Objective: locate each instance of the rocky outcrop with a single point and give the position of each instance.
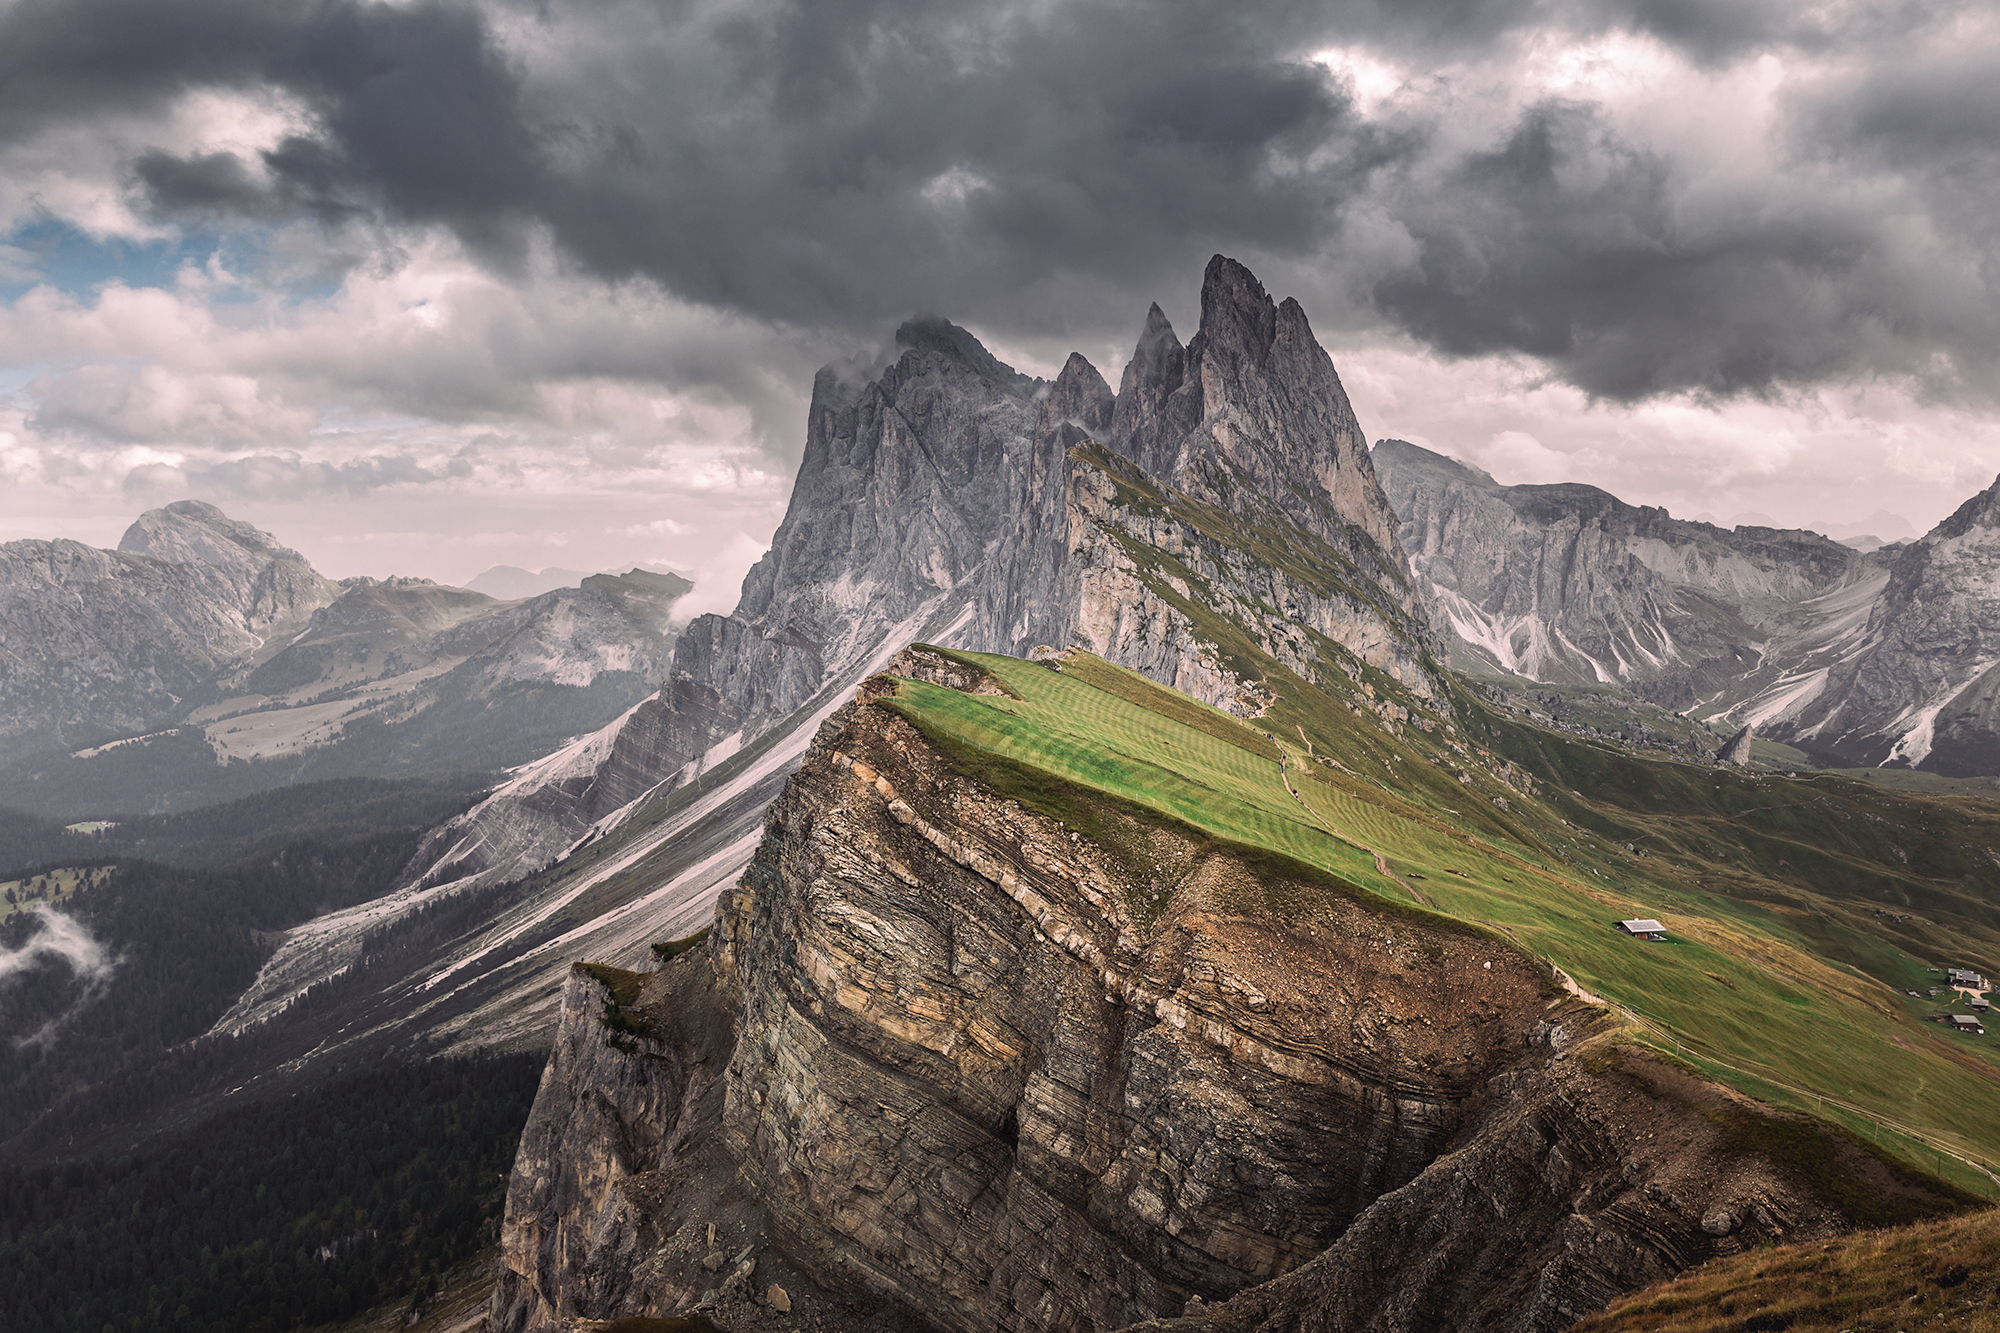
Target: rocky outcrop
(606, 1113)
(1001, 1076)
(1260, 398)
(1736, 750)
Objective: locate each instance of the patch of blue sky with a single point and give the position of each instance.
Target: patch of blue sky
(77, 263)
(15, 378)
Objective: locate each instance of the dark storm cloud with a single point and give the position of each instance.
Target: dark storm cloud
(1577, 248)
(211, 183)
(834, 165)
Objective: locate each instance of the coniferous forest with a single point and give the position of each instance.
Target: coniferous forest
(278, 1215)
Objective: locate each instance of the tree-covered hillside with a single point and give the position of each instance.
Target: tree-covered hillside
(283, 1213)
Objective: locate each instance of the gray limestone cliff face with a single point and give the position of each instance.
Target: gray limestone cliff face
(964, 1075)
(1922, 691)
(1567, 583)
(101, 643)
(1880, 657)
(908, 485)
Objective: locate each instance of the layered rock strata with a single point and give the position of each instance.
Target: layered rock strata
(987, 1072)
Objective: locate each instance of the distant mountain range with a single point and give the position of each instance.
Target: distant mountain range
(1854, 652)
(510, 583)
(203, 660)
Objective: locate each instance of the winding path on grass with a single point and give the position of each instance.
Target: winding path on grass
(1381, 862)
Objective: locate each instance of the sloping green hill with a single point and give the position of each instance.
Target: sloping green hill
(1797, 911)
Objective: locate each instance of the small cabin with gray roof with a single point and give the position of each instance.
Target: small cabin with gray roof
(1966, 1023)
(1643, 927)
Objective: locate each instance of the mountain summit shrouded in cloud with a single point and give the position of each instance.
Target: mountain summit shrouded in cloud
(476, 272)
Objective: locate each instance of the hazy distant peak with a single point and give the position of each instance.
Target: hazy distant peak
(1881, 524)
(190, 532)
(510, 583)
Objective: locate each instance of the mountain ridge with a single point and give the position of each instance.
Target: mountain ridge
(205, 637)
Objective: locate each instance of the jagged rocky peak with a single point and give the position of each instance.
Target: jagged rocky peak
(1151, 417)
(1257, 392)
(928, 335)
(942, 497)
(1079, 397)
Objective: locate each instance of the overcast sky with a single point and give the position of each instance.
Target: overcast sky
(426, 287)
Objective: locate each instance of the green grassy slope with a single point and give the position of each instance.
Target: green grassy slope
(1799, 910)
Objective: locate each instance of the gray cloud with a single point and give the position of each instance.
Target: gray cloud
(279, 476)
(832, 166)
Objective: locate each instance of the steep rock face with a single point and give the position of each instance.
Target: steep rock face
(99, 643)
(1568, 583)
(1162, 583)
(1921, 692)
(975, 1079)
(971, 1078)
(608, 1106)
